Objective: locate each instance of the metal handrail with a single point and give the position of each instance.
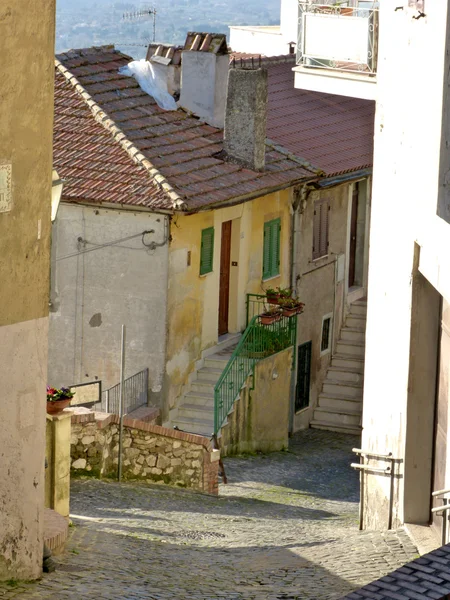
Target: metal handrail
(374, 454)
(440, 492)
(257, 342)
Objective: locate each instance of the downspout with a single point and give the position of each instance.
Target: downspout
(300, 195)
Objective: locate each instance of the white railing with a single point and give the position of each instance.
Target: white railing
(343, 38)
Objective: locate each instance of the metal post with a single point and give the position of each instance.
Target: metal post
(122, 365)
(107, 401)
(444, 522)
(362, 460)
(391, 492)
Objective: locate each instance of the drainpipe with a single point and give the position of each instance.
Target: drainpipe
(299, 198)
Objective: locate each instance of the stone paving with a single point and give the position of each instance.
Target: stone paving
(285, 527)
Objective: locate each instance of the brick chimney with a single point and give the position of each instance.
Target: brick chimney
(204, 76)
(246, 117)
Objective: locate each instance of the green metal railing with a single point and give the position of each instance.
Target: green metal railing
(257, 342)
(256, 304)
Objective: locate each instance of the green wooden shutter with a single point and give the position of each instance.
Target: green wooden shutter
(271, 249)
(266, 251)
(207, 251)
(275, 243)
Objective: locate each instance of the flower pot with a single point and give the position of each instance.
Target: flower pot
(57, 406)
(291, 312)
(269, 319)
(273, 299)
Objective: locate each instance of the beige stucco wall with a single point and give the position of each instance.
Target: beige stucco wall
(259, 421)
(193, 299)
(321, 283)
(26, 111)
(57, 474)
(94, 293)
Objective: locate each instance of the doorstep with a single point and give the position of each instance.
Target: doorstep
(56, 531)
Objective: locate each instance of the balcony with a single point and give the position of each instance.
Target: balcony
(337, 49)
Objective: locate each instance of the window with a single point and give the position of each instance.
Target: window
(303, 376)
(271, 251)
(325, 342)
(207, 251)
(320, 228)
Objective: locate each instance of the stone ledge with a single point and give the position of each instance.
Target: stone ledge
(56, 531)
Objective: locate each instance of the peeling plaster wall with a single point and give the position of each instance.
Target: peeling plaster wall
(27, 29)
(94, 293)
(193, 299)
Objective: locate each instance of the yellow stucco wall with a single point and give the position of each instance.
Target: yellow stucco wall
(193, 299)
(259, 421)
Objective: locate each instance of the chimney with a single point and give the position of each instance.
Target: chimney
(166, 60)
(204, 75)
(246, 117)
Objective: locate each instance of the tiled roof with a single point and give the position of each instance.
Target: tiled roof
(94, 165)
(334, 133)
(179, 153)
(424, 578)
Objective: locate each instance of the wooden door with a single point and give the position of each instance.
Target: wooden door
(303, 376)
(224, 285)
(353, 230)
(440, 478)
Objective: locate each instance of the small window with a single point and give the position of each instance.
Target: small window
(325, 342)
(320, 228)
(207, 251)
(271, 250)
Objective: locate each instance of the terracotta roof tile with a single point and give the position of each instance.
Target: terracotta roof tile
(185, 153)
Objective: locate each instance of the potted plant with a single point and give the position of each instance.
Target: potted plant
(284, 293)
(270, 316)
(58, 399)
(291, 307)
(272, 296)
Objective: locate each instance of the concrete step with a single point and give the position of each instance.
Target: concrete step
(200, 427)
(344, 361)
(216, 361)
(351, 334)
(196, 412)
(351, 374)
(342, 388)
(204, 386)
(356, 322)
(353, 349)
(210, 374)
(358, 309)
(199, 398)
(350, 429)
(346, 418)
(338, 402)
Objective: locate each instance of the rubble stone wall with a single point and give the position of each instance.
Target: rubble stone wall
(151, 453)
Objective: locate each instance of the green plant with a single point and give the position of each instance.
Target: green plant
(284, 293)
(291, 303)
(271, 292)
(55, 394)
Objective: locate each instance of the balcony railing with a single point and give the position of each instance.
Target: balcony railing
(337, 37)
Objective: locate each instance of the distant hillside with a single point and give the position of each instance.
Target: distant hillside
(83, 23)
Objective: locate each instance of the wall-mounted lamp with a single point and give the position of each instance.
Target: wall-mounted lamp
(57, 190)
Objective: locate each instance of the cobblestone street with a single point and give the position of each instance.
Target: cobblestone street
(285, 527)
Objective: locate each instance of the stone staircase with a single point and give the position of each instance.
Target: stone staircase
(196, 409)
(340, 401)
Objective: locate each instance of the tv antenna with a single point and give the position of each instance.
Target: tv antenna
(142, 13)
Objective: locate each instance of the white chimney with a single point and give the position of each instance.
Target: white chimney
(204, 76)
(166, 60)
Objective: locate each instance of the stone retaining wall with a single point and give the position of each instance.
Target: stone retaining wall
(151, 453)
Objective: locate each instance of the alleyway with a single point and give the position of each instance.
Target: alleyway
(285, 527)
